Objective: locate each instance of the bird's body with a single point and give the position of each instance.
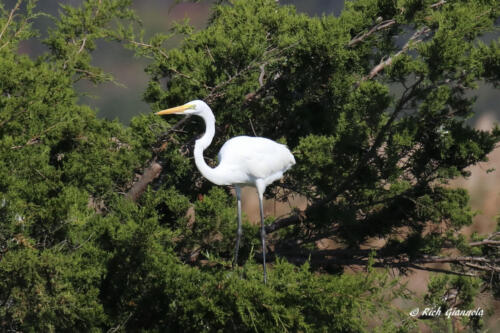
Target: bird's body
(243, 160)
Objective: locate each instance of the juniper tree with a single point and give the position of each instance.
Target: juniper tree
(375, 118)
(374, 103)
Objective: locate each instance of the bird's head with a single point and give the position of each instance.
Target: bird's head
(195, 107)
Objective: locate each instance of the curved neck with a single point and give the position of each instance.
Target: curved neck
(201, 144)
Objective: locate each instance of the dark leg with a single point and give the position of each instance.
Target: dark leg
(239, 231)
(260, 190)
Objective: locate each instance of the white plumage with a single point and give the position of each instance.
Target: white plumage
(243, 160)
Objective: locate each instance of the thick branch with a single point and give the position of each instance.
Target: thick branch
(438, 4)
(349, 257)
(488, 241)
(151, 173)
(153, 170)
(485, 242)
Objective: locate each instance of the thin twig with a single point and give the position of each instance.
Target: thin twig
(150, 46)
(9, 20)
(83, 45)
(251, 125)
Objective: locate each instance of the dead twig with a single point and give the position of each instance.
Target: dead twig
(438, 4)
(388, 61)
(9, 20)
(380, 26)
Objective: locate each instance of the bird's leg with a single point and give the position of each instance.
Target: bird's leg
(239, 231)
(260, 190)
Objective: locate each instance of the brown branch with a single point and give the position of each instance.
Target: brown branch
(387, 62)
(456, 260)
(440, 270)
(9, 20)
(485, 242)
(154, 169)
(36, 139)
(174, 128)
(302, 215)
(298, 260)
(488, 268)
(438, 4)
(89, 73)
(360, 257)
(251, 66)
(84, 40)
(150, 46)
(380, 26)
(150, 173)
(261, 75)
(488, 241)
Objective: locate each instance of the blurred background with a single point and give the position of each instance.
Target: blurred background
(123, 102)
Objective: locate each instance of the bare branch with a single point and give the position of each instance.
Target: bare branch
(261, 76)
(9, 20)
(440, 270)
(154, 169)
(485, 242)
(269, 56)
(358, 257)
(387, 62)
(462, 259)
(145, 45)
(380, 26)
(301, 216)
(150, 173)
(36, 139)
(438, 4)
(488, 240)
(84, 40)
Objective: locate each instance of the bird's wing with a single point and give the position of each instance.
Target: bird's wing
(258, 158)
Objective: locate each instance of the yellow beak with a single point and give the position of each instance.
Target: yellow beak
(178, 109)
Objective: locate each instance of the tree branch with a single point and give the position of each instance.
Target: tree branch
(380, 26)
(438, 4)
(360, 257)
(302, 215)
(387, 62)
(150, 173)
(488, 240)
(9, 20)
(485, 242)
(154, 169)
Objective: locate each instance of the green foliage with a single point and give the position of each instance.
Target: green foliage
(450, 293)
(373, 153)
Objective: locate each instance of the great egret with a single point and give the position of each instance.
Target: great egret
(243, 160)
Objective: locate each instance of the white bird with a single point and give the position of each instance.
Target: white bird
(243, 160)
